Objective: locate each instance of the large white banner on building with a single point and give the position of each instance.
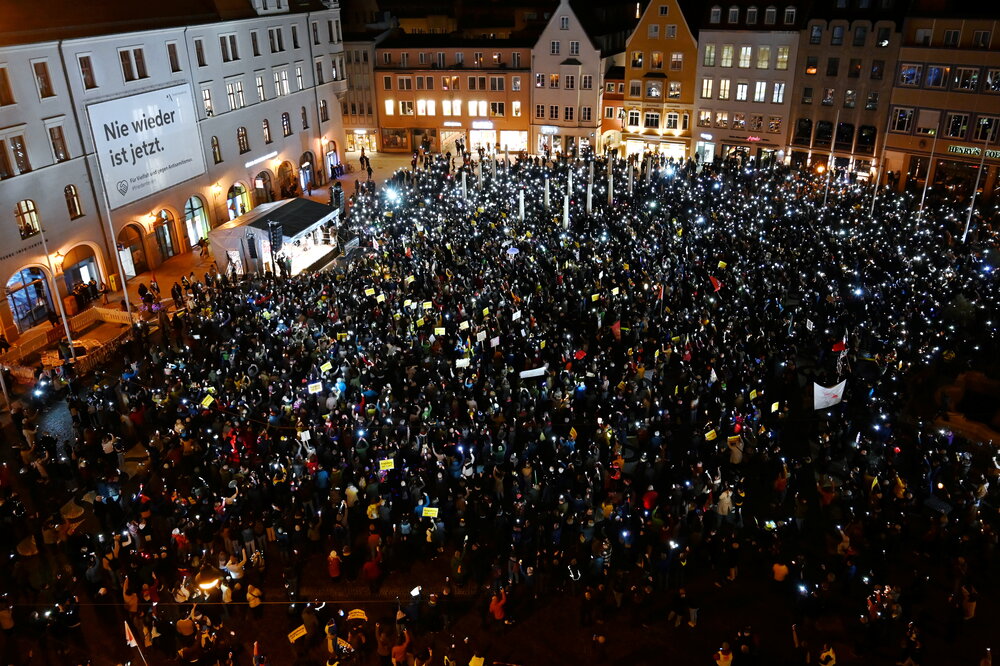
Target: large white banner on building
(146, 143)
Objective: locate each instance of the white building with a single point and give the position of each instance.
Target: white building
(257, 112)
(746, 67)
(579, 43)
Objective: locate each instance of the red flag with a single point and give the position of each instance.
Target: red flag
(129, 637)
(616, 328)
(716, 283)
(580, 355)
(660, 295)
(840, 346)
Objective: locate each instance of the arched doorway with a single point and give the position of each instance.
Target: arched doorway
(332, 159)
(263, 192)
(132, 251)
(238, 200)
(307, 166)
(29, 297)
(195, 220)
(286, 179)
(166, 234)
(80, 267)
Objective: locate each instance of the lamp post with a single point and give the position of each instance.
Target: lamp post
(55, 292)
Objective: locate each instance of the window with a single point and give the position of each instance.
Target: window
(637, 59)
(227, 44)
(459, 58)
(653, 31)
(266, 129)
(739, 121)
(609, 112)
(966, 78)
(741, 91)
(651, 120)
(299, 82)
(553, 112)
(789, 15)
(671, 32)
(73, 202)
(206, 101)
(957, 125)
(716, 15)
(173, 59)
(981, 39)
(850, 98)
(199, 52)
(255, 43)
(498, 110)
(992, 81)
(807, 95)
(878, 68)
(986, 128)
(515, 109)
(654, 89)
(866, 139)
(276, 40)
(837, 35)
(672, 120)
(585, 114)
(824, 133)
(58, 141)
(722, 119)
(854, 68)
(928, 122)
(330, 34)
(709, 58)
(286, 124)
(405, 108)
(133, 64)
(390, 107)
(539, 111)
(745, 52)
(901, 119)
(280, 83)
(663, 9)
(574, 48)
(774, 124)
(937, 76)
(42, 79)
(324, 111)
(909, 75)
(828, 95)
(539, 80)
(406, 83)
(832, 66)
(633, 117)
(674, 90)
(554, 48)
(568, 113)
(751, 15)
(860, 36)
(734, 14)
(724, 89)
(706, 88)
(27, 218)
(515, 59)
(951, 38)
(569, 82)
(704, 118)
(803, 131)
(305, 118)
(295, 36)
(770, 16)
(86, 73)
(564, 23)
(882, 38)
(234, 94)
(782, 59)
(676, 61)
(815, 35)
(760, 91)
(756, 122)
(553, 80)
(872, 102)
(387, 83)
(763, 57)
(243, 140)
(586, 82)
(778, 94)
(727, 56)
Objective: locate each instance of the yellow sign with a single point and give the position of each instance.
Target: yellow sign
(380, 298)
(594, 297)
(625, 266)
(464, 325)
(774, 407)
(430, 512)
(326, 367)
(410, 279)
(439, 331)
(357, 614)
(207, 401)
(486, 312)
(315, 387)
(711, 435)
(722, 264)
(420, 322)
(369, 292)
(614, 292)
(428, 305)
(753, 394)
(386, 465)
(296, 634)
(407, 303)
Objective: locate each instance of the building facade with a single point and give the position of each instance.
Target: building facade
(263, 89)
(945, 110)
(843, 81)
(360, 108)
(434, 93)
(613, 103)
(660, 74)
(746, 65)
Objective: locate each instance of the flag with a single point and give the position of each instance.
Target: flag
(616, 329)
(129, 637)
(840, 345)
(716, 283)
(824, 397)
(660, 295)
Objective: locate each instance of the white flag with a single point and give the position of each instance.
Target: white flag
(824, 397)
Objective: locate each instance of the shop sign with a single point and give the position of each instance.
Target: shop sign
(706, 137)
(973, 151)
(452, 123)
(753, 138)
(361, 131)
(549, 129)
(482, 124)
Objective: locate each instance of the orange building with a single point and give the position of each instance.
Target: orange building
(613, 109)
(660, 74)
(434, 92)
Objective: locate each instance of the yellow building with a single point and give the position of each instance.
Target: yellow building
(660, 73)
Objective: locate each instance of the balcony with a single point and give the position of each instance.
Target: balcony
(339, 87)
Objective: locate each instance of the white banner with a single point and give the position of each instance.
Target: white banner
(146, 143)
(824, 397)
(537, 372)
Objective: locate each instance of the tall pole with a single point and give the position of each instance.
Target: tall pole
(55, 292)
(927, 173)
(881, 163)
(829, 161)
(975, 188)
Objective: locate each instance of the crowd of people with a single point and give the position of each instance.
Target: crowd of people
(563, 394)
